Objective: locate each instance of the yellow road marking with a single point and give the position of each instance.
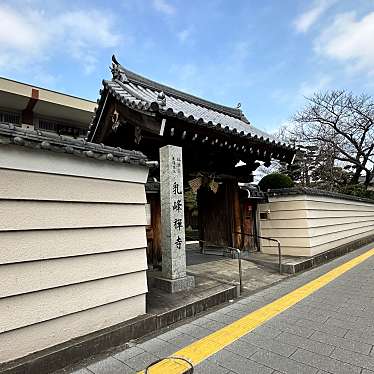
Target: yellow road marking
(211, 344)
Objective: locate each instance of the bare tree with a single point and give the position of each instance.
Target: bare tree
(342, 123)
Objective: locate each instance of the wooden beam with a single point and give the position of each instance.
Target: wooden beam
(145, 122)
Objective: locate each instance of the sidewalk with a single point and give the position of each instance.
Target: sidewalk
(332, 331)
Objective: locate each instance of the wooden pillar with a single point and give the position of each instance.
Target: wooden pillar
(234, 213)
(154, 230)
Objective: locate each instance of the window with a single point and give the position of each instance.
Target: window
(47, 125)
(10, 117)
(61, 128)
(264, 215)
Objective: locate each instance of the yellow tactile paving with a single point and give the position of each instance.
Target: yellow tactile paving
(211, 344)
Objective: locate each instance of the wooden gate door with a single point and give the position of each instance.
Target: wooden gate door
(249, 225)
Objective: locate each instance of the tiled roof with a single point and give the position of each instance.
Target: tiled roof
(11, 134)
(144, 94)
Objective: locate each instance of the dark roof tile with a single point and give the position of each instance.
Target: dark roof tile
(141, 93)
(11, 134)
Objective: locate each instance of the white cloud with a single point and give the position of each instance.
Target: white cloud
(350, 40)
(185, 35)
(82, 35)
(164, 6)
(319, 83)
(187, 78)
(19, 36)
(307, 19)
(29, 36)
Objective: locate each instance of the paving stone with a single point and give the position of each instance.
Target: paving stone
(81, 371)
(210, 367)
(281, 363)
(316, 317)
(247, 307)
(238, 364)
(269, 344)
(344, 343)
(353, 310)
(282, 318)
(360, 336)
(219, 312)
(367, 314)
(158, 347)
(267, 332)
(242, 348)
(322, 306)
(200, 321)
(195, 331)
(169, 334)
(324, 363)
(305, 343)
(365, 322)
(222, 318)
(291, 328)
(324, 327)
(252, 301)
(343, 316)
(128, 353)
(208, 324)
(237, 313)
(354, 358)
(110, 366)
(335, 322)
(214, 325)
(181, 341)
(141, 361)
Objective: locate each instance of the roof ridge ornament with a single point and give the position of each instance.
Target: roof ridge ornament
(118, 71)
(161, 98)
(241, 114)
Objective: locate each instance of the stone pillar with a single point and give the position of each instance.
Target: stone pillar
(173, 240)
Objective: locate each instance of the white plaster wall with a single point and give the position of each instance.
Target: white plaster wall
(307, 225)
(72, 247)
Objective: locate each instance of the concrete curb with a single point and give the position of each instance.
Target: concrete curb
(311, 262)
(76, 350)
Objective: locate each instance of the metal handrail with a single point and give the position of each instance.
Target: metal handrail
(270, 239)
(240, 266)
(231, 249)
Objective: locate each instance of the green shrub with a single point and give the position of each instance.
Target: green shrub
(358, 190)
(275, 180)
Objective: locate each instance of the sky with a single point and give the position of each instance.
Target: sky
(266, 54)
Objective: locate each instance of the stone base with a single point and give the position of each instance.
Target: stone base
(174, 285)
